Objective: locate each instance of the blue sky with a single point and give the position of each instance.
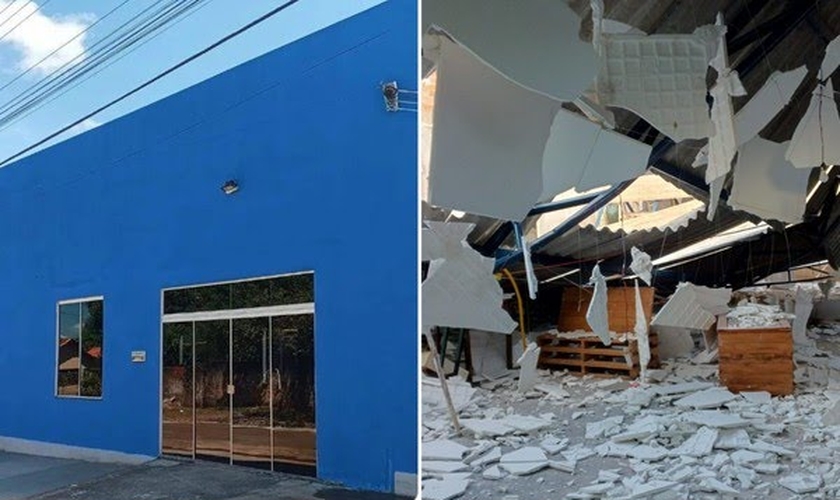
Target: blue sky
(57, 21)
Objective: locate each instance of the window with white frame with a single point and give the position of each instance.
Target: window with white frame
(80, 353)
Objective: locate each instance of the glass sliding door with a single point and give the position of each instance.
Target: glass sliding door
(238, 373)
(252, 394)
(293, 371)
(212, 390)
(178, 403)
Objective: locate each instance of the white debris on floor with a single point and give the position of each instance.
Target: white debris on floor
(683, 436)
(750, 315)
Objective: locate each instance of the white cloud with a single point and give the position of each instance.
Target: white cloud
(40, 35)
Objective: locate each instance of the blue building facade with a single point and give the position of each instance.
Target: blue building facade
(327, 184)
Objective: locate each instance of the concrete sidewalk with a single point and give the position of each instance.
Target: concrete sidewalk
(23, 476)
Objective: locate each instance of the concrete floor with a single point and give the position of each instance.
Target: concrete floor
(28, 477)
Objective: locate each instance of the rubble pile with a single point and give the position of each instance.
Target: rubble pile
(679, 436)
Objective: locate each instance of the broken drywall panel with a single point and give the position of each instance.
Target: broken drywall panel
(733, 439)
(765, 183)
(493, 473)
(662, 78)
(681, 388)
(528, 367)
(765, 104)
(712, 485)
(460, 290)
(597, 316)
(595, 112)
(674, 342)
(525, 423)
(553, 445)
(641, 265)
(506, 35)
(801, 483)
(444, 489)
(757, 397)
(831, 59)
(716, 419)
(523, 455)
(699, 445)
(604, 428)
(802, 310)
(642, 337)
(709, 398)
(581, 155)
(439, 240)
(460, 391)
(443, 449)
(443, 466)
(492, 456)
(487, 353)
(525, 248)
(722, 143)
(552, 390)
(762, 107)
(814, 141)
(486, 427)
(481, 151)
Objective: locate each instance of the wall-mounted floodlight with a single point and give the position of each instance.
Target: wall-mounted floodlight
(230, 187)
(391, 93)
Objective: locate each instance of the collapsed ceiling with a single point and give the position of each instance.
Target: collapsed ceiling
(568, 133)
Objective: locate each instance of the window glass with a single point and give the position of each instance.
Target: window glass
(282, 290)
(80, 348)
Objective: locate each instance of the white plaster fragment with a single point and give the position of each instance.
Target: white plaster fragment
(742, 457)
(831, 59)
(642, 337)
(460, 290)
(486, 427)
(625, 81)
(766, 184)
(801, 483)
(641, 265)
(525, 423)
(648, 453)
(814, 140)
(763, 446)
(490, 457)
(528, 367)
(757, 397)
(443, 449)
(526, 454)
(681, 388)
(563, 465)
(523, 468)
(493, 473)
(552, 390)
(713, 485)
(698, 445)
(444, 489)
(765, 104)
(733, 439)
(650, 488)
(506, 35)
(553, 445)
(709, 398)
(802, 310)
(717, 419)
(469, 166)
(597, 315)
(604, 428)
(443, 466)
(767, 468)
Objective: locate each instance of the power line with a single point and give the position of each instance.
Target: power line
(139, 31)
(35, 11)
(13, 14)
(69, 65)
(34, 108)
(54, 52)
(154, 79)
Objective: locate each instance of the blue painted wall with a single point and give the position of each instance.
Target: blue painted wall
(328, 183)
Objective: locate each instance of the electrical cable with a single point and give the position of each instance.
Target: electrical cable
(154, 79)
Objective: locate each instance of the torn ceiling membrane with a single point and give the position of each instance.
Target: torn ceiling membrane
(506, 35)
(460, 290)
(662, 78)
(500, 160)
(766, 184)
(762, 107)
(597, 315)
(815, 140)
(486, 160)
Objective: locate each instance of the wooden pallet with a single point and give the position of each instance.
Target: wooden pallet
(756, 359)
(587, 355)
